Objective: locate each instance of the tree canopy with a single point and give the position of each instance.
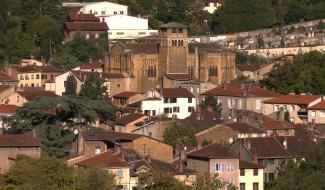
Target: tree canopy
(305, 75)
(94, 87)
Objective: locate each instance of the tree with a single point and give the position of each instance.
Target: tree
(55, 119)
(66, 59)
(94, 87)
(287, 117)
(71, 85)
(300, 174)
(94, 177)
(208, 182)
(210, 101)
(30, 174)
(296, 12)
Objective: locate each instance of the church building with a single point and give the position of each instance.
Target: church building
(170, 56)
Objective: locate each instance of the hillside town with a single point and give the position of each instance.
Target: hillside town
(106, 101)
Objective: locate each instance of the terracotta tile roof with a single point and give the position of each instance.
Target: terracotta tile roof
(237, 90)
(213, 151)
(104, 160)
(83, 17)
(249, 67)
(21, 140)
(33, 69)
(8, 109)
(297, 145)
(93, 65)
(204, 47)
(86, 26)
(178, 77)
(129, 118)
(244, 128)
(125, 94)
(4, 87)
(204, 115)
(268, 123)
(319, 106)
(173, 25)
(248, 165)
(293, 99)
(176, 93)
(109, 136)
(32, 95)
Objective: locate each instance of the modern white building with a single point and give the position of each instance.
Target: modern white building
(172, 103)
(99, 9)
(127, 27)
(212, 5)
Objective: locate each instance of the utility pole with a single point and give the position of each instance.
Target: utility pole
(50, 50)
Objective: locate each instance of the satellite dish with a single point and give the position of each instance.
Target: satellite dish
(76, 131)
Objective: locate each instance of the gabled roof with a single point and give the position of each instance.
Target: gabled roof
(32, 95)
(319, 106)
(141, 48)
(250, 67)
(175, 93)
(248, 165)
(109, 136)
(268, 123)
(5, 87)
(237, 90)
(93, 65)
(214, 151)
(8, 109)
(129, 118)
(173, 25)
(106, 160)
(82, 17)
(125, 94)
(204, 116)
(244, 127)
(21, 140)
(86, 26)
(297, 145)
(45, 69)
(293, 99)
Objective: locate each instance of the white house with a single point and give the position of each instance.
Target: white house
(212, 5)
(172, 102)
(57, 85)
(127, 27)
(103, 9)
(251, 176)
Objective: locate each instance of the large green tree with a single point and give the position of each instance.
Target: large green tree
(94, 87)
(55, 119)
(71, 85)
(306, 74)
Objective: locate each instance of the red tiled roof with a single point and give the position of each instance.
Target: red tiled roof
(237, 90)
(244, 128)
(268, 123)
(248, 165)
(106, 160)
(129, 118)
(93, 65)
(297, 145)
(4, 77)
(83, 17)
(293, 99)
(5, 109)
(214, 151)
(319, 106)
(86, 26)
(33, 68)
(176, 93)
(21, 140)
(4, 87)
(32, 95)
(125, 94)
(249, 67)
(109, 136)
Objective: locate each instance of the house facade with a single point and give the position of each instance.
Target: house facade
(316, 113)
(296, 105)
(58, 84)
(234, 97)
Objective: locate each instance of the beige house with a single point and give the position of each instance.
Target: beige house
(36, 76)
(316, 113)
(20, 97)
(58, 84)
(13, 145)
(5, 91)
(296, 105)
(251, 176)
(253, 72)
(234, 97)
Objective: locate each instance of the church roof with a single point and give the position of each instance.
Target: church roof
(173, 25)
(141, 48)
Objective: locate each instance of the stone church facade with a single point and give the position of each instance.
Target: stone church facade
(170, 54)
